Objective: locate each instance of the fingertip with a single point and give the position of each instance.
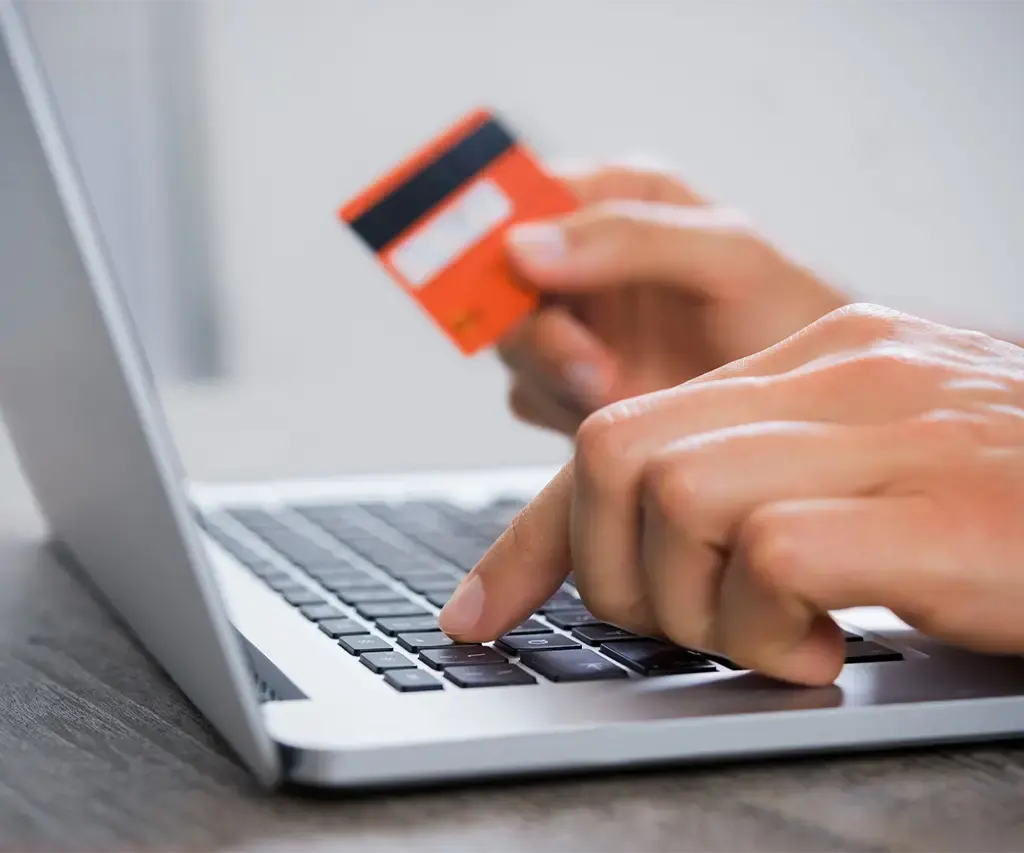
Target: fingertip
(814, 661)
(537, 244)
(461, 615)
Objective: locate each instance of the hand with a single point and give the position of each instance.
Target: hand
(646, 286)
(873, 459)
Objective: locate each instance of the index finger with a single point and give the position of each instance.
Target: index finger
(521, 571)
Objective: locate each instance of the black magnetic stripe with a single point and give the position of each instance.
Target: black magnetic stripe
(404, 206)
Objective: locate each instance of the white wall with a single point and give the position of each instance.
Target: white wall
(126, 80)
(883, 141)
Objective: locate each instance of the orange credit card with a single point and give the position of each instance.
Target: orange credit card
(436, 223)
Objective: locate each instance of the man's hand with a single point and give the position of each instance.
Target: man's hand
(872, 459)
(646, 286)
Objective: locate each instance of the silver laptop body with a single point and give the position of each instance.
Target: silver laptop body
(191, 579)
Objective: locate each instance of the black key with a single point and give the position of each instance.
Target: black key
(728, 664)
(432, 583)
(350, 584)
(412, 680)
(530, 626)
(381, 609)
(302, 596)
(407, 570)
(428, 640)
(572, 665)
(364, 643)
(602, 632)
(384, 661)
(506, 675)
(867, 652)
(461, 656)
(335, 628)
(438, 599)
(535, 643)
(571, 618)
(340, 574)
(408, 624)
(319, 612)
(283, 583)
(653, 657)
(368, 594)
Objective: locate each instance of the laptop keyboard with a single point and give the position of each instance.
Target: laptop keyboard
(374, 576)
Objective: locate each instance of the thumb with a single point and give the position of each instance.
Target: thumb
(616, 243)
(519, 573)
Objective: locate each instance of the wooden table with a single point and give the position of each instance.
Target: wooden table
(98, 751)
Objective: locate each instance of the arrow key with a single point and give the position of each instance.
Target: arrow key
(571, 665)
(461, 656)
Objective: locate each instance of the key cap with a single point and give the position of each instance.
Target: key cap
(412, 680)
(534, 643)
(432, 583)
(414, 568)
(653, 657)
(335, 628)
(438, 599)
(868, 652)
(319, 612)
(572, 665)
(344, 577)
(284, 583)
(266, 570)
(507, 675)
(380, 609)
(850, 637)
(384, 661)
(723, 661)
(340, 585)
(461, 655)
(365, 596)
(303, 596)
(417, 642)
(530, 626)
(602, 632)
(571, 618)
(408, 624)
(364, 643)
(274, 578)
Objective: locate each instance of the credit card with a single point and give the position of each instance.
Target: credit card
(436, 223)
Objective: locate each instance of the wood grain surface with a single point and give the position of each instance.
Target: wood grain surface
(98, 751)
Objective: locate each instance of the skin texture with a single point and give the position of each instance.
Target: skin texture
(647, 286)
(868, 459)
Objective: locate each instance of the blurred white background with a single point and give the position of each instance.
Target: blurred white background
(882, 142)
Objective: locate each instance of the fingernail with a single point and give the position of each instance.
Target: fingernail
(586, 380)
(464, 608)
(538, 243)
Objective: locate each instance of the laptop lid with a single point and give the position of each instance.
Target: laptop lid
(82, 414)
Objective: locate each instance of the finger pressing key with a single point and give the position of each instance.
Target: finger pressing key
(521, 571)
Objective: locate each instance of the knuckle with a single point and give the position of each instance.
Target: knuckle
(670, 486)
(770, 546)
(612, 219)
(866, 320)
(601, 451)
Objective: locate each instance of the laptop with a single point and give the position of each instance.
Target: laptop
(301, 617)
